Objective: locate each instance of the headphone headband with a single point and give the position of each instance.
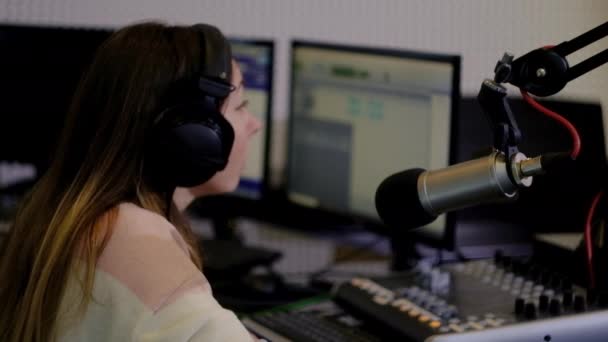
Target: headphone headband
(216, 54)
(214, 88)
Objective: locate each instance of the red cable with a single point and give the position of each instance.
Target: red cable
(588, 238)
(576, 139)
(576, 149)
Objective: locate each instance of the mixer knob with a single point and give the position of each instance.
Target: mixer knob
(567, 297)
(602, 299)
(498, 257)
(530, 310)
(534, 272)
(543, 303)
(556, 281)
(524, 268)
(555, 307)
(519, 306)
(545, 277)
(566, 284)
(449, 312)
(579, 303)
(516, 266)
(506, 263)
(591, 296)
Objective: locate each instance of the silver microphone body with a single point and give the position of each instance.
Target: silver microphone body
(469, 183)
(415, 197)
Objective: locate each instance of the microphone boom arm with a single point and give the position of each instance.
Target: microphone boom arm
(545, 71)
(541, 72)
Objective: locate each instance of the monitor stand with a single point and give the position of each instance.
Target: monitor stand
(226, 256)
(404, 254)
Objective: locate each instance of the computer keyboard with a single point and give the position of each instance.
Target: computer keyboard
(306, 326)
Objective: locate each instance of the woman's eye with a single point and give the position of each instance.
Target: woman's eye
(243, 105)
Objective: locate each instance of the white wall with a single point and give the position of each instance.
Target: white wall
(479, 30)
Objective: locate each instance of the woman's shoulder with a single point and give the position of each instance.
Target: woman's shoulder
(146, 253)
(134, 223)
(141, 221)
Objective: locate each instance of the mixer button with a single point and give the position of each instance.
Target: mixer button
(494, 322)
(458, 328)
(549, 292)
(435, 324)
(476, 325)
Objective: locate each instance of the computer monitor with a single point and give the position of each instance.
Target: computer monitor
(255, 58)
(556, 202)
(39, 71)
(359, 115)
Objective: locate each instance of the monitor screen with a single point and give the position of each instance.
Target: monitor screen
(359, 115)
(556, 202)
(255, 59)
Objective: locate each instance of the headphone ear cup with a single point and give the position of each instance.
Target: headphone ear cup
(192, 145)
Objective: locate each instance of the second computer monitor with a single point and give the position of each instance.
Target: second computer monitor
(359, 115)
(255, 59)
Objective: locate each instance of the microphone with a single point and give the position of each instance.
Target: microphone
(415, 197)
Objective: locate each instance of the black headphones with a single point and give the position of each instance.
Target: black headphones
(192, 140)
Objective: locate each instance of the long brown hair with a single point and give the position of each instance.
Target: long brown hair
(98, 164)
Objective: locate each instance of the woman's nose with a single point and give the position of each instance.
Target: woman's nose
(256, 123)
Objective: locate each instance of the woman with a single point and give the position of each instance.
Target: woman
(98, 250)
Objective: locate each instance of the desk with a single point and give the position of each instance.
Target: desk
(305, 252)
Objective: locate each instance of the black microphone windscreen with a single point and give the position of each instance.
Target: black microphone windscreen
(398, 203)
